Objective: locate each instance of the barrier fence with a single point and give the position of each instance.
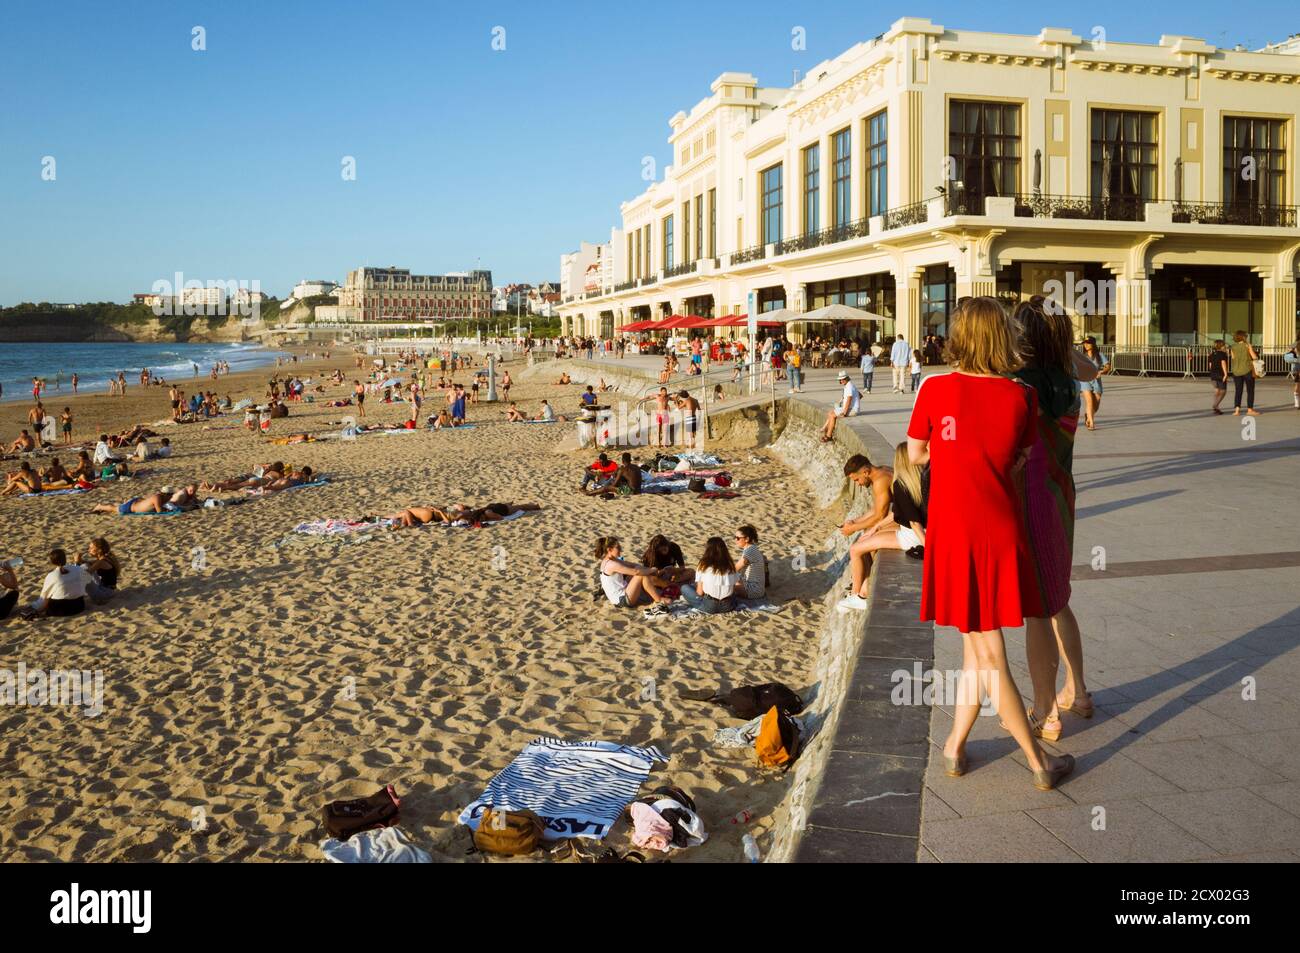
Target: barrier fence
(1185, 362)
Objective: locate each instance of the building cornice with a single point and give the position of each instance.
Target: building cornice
(855, 88)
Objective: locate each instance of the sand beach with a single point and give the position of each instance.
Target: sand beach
(290, 671)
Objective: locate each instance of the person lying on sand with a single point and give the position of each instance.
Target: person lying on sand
(269, 473)
(24, 480)
(185, 498)
(460, 513)
(289, 481)
(24, 444)
(293, 438)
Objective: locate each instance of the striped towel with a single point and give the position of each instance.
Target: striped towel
(579, 788)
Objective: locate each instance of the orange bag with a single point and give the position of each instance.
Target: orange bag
(777, 743)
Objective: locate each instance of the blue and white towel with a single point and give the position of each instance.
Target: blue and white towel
(579, 788)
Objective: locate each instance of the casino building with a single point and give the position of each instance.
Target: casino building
(1153, 188)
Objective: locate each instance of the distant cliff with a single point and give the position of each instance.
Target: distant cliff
(113, 322)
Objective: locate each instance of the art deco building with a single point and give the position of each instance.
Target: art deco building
(1152, 188)
(394, 295)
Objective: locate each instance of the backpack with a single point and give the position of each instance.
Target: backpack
(750, 701)
(508, 832)
(777, 743)
(345, 818)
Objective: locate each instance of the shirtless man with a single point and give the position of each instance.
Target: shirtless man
(628, 475)
(36, 415)
(175, 395)
(270, 473)
(662, 415)
(690, 408)
(183, 499)
(25, 443)
(862, 472)
(289, 481)
(84, 470)
(55, 477)
(25, 480)
(514, 414)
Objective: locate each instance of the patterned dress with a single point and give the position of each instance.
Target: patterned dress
(1049, 489)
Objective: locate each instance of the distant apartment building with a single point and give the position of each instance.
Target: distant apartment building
(589, 269)
(930, 164)
(396, 295)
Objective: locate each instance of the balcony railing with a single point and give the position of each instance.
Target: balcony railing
(752, 253)
(1116, 208)
(905, 215)
(625, 285)
(1225, 213)
(649, 280)
(825, 236)
(685, 268)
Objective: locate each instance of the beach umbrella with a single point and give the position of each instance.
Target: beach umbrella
(779, 316)
(840, 312)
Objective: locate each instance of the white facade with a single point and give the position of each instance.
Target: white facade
(930, 164)
(307, 289)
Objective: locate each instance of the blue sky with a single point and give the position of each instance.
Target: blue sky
(226, 163)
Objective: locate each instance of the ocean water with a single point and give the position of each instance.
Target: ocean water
(96, 363)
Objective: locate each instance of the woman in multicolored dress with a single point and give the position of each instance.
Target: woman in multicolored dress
(1051, 367)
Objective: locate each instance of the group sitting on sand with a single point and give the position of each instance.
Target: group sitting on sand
(606, 476)
(711, 587)
(27, 479)
(460, 514)
(66, 587)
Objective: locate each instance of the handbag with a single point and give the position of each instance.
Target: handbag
(1260, 370)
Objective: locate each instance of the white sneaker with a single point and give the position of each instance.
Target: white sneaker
(851, 604)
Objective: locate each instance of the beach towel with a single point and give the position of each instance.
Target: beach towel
(450, 427)
(338, 527)
(63, 492)
(385, 846)
(743, 736)
(679, 609)
(537, 421)
(578, 788)
(678, 483)
(465, 524)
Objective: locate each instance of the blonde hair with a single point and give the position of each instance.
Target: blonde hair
(907, 473)
(983, 339)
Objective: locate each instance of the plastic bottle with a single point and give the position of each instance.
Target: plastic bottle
(751, 849)
(14, 563)
(744, 816)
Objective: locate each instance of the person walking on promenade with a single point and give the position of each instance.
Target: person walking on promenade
(1219, 374)
(1292, 358)
(1091, 389)
(900, 357)
(1051, 366)
(976, 427)
(794, 360)
(1243, 374)
(868, 368)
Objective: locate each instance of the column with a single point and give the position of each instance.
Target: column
(907, 303)
(1279, 310)
(1132, 307)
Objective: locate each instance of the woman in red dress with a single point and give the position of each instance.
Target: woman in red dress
(975, 428)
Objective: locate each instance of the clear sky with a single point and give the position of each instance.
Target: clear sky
(227, 163)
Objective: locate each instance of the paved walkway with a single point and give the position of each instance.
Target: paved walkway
(1191, 635)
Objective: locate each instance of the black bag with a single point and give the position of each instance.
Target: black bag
(750, 701)
(696, 485)
(345, 818)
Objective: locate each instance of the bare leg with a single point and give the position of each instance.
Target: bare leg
(1075, 691)
(1044, 662)
(990, 652)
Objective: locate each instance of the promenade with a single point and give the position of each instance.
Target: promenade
(1191, 639)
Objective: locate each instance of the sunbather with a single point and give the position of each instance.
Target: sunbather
(24, 444)
(160, 502)
(24, 480)
(289, 481)
(269, 473)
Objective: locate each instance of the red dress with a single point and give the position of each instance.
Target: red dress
(978, 572)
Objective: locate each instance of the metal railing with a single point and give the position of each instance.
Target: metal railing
(905, 215)
(649, 280)
(1225, 213)
(1116, 208)
(625, 285)
(752, 253)
(1185, 362)
(825, 236)
(685, 268)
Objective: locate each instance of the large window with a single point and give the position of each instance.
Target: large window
(638, 252)
(1254, 161)
(771, 299)
(1195, 305)
(1125, 158)
(938, 298)
(877, 164)
(874, 293)
(842, 177)
(812, 174)
(713, 223)
(984, 142)
(770, 219)
(699, 225)
(668, 242)
(646, 246)
(686, 231)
